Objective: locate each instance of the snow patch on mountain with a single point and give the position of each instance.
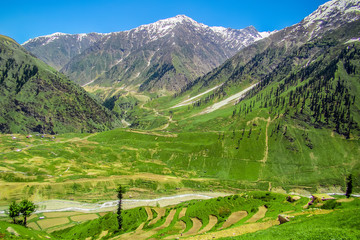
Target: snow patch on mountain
(46, 39)
(331, 9)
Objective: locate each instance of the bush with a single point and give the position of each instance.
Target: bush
(331, 204)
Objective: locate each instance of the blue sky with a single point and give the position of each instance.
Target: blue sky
(26, 19)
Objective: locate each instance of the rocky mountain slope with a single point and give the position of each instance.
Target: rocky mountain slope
(36, 98)
(57, 49)
(256, 61)
(166, 54)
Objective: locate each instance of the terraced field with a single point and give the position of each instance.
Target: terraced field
(205, 219)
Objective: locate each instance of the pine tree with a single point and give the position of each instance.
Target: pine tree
(120, 192)
(349, 186)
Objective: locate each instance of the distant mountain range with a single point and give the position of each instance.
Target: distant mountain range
(166, 54)
(176, 55)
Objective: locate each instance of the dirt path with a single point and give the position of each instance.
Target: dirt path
(259, 215)
(234, 218)
(266, 153)
(226, 101)
(236, 231)
(212, 222)
(160, 213)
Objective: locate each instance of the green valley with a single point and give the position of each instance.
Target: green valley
(239, 152)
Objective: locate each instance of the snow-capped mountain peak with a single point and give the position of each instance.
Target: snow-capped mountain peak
(162, 27)
(46, 38)
(331, 9)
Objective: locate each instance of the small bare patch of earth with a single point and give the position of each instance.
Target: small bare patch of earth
(259, 215)
(179, 227)
(182, 213)
(103, 234)
(160, 213)
(234, 218)
(345, 200)
(149, 213)
(236, 231)
(212, 222)
(48, 223)
(82, 218)
(197, 224)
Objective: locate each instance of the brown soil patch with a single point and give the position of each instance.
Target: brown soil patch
(60, 214)
(61, 228)
(259, 215)
(103, 213)
(33, 225)
(212, 222)
(345, 200)
(236, 231)
(182, 213)
(48, 223)
(160, 212)
(312, 212)
(139, 229)
(149, 213)
(82, 218)
(234, 218)
(103, 234)
(141, 234)
(168, 220)
(197, 224)
(178, 228)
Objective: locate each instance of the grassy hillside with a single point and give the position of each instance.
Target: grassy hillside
(251, 215)
(341, 224)
(12, 231)
(36, 98)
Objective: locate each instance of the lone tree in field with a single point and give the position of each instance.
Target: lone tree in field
(120, 191)
(14, 211)
(349, 186)
(26, 209)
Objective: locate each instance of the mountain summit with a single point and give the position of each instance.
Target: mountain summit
(168, 54)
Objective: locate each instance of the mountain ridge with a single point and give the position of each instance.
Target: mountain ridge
(37, 98)
(173, 35)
